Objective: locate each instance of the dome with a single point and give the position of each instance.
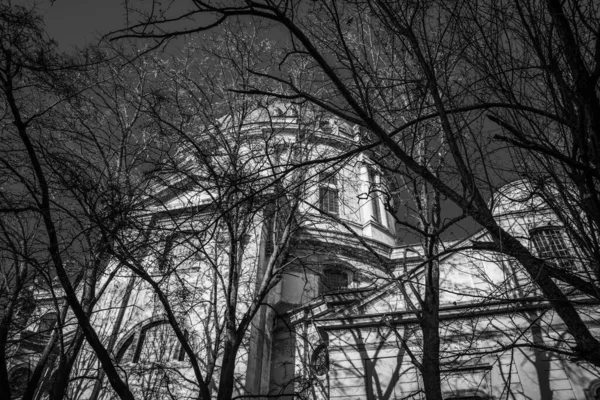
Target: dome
(516, 197)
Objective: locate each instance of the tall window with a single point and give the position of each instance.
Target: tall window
(374, 195)
(328, 193)
(269, 229)
(550, 245)
(375, 184)
(319, 361)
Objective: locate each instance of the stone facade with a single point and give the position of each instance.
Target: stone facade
(338, 324)
(497, 334)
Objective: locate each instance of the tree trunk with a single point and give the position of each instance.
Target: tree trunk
(91, 336)
(227, 378)
(4, 327)
(34, 381)
(430, 367)
(430, 326)
(65, 366)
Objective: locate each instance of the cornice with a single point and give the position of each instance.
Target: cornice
(447, 313)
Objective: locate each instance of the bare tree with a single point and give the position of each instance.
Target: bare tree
(66, 164)
(211, 239)
(367, 55)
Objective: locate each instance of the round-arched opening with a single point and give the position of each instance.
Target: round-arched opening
(154, 342)
(319, 361)
(593, 390)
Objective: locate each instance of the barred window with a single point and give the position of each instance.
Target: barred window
(550, 245)
(333, 280)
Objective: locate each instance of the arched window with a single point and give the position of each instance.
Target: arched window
(550, 245)
(156, 342)
(319, 361)
(593, 390)
(334, 279)
(329, 197)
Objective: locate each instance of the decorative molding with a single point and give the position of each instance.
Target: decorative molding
(592, 392)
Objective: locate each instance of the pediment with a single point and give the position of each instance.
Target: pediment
(386, 299)
(465, 276)
(178, 195)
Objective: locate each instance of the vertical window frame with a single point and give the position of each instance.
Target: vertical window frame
(378, 211)
(329, 196)
(550, 245)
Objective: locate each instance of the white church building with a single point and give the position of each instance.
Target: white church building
(339, 318)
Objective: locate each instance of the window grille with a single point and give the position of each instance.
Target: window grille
(550, 245)
(334, 279)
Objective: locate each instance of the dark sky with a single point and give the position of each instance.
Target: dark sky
(79, 22)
